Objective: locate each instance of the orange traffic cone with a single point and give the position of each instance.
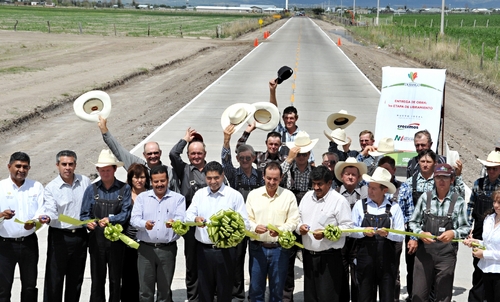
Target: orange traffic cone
(256, 42)
(339, 43)
(265, 35)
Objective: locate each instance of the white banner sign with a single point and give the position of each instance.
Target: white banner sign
(410, 101)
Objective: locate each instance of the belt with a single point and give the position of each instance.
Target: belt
(158, 244)
(69, 231)
(267, 245)
(19, 239)
(325, 252)
(208, 246)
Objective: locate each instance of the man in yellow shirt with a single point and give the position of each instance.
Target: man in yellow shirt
(274, 205)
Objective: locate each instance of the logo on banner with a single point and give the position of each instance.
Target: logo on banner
(413, 126)
(402, 138)
(412, 75)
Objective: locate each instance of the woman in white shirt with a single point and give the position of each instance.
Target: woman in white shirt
(489, 261)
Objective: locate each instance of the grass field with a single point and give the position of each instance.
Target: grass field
(126, 22)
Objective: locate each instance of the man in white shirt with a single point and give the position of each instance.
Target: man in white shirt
(321, 207)
(19, 197)
(67, 244)
(274, 205)
(216, 266)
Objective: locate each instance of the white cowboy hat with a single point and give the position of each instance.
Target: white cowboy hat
(383, 177)
(266, 116)
(236, 114)
(91, 104)
(107, 158)
(493, 159)
(385, 146)
(341, 119)
(349, 162)
(338, 136)
(303, 141)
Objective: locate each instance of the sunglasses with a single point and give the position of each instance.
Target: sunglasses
(244, 158)
(491, 168)
(303, 155)
(329, 162)
(153, 153)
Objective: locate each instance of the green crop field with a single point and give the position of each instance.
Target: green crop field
(473, 29)
(125, 22)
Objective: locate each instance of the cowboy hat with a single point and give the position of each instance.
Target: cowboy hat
(283, 74)
(349, 162)
(341, 119)
(303, 141)
(493, 159)
(385, 146)
(91, 104)
(383, 177)
(107, 158)
(266, 116)
(236, 114)
(338, 136)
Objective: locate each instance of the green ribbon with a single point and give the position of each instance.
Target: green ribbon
(38, 224)
(273, 228)
(70, 220)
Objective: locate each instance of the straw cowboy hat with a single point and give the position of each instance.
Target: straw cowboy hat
(303, 141)
(341, 119)
(106, 158)
(236, 114)
(349, 162)
(266, 116)
(385, 146)
(383, 177)
(493, 159)
(338, 136)
(91, 104)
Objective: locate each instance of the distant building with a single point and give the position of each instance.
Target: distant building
(240, 9)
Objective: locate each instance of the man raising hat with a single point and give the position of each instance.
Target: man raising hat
(108, 200)
(152, 154)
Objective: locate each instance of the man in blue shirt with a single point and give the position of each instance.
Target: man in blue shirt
(108, 201)
(153, 212)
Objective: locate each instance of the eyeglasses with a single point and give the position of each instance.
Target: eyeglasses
(244, 158)
(303, 155)
(491, 168)
(329, 162)
(153, 153)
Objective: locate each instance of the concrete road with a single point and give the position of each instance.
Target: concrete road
(325, 81)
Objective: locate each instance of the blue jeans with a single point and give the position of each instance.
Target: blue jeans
(270, 263)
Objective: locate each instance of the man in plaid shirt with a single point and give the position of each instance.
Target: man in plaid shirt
(443, 214)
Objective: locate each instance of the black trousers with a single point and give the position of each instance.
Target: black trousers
(348, 256)
(66, 257)
(476, 293)
(239, 271)
(290, 277)
(397, 286)
(105, 255)
(215, 273)
(322, 276)
(130, 276)
(492, 287)
(410, 263)
(376, 268)
(190, 244)
(24, 253)
(434, 270)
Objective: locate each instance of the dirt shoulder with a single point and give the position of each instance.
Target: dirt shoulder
(38, 114)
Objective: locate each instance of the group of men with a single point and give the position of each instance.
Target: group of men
(349, 190)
